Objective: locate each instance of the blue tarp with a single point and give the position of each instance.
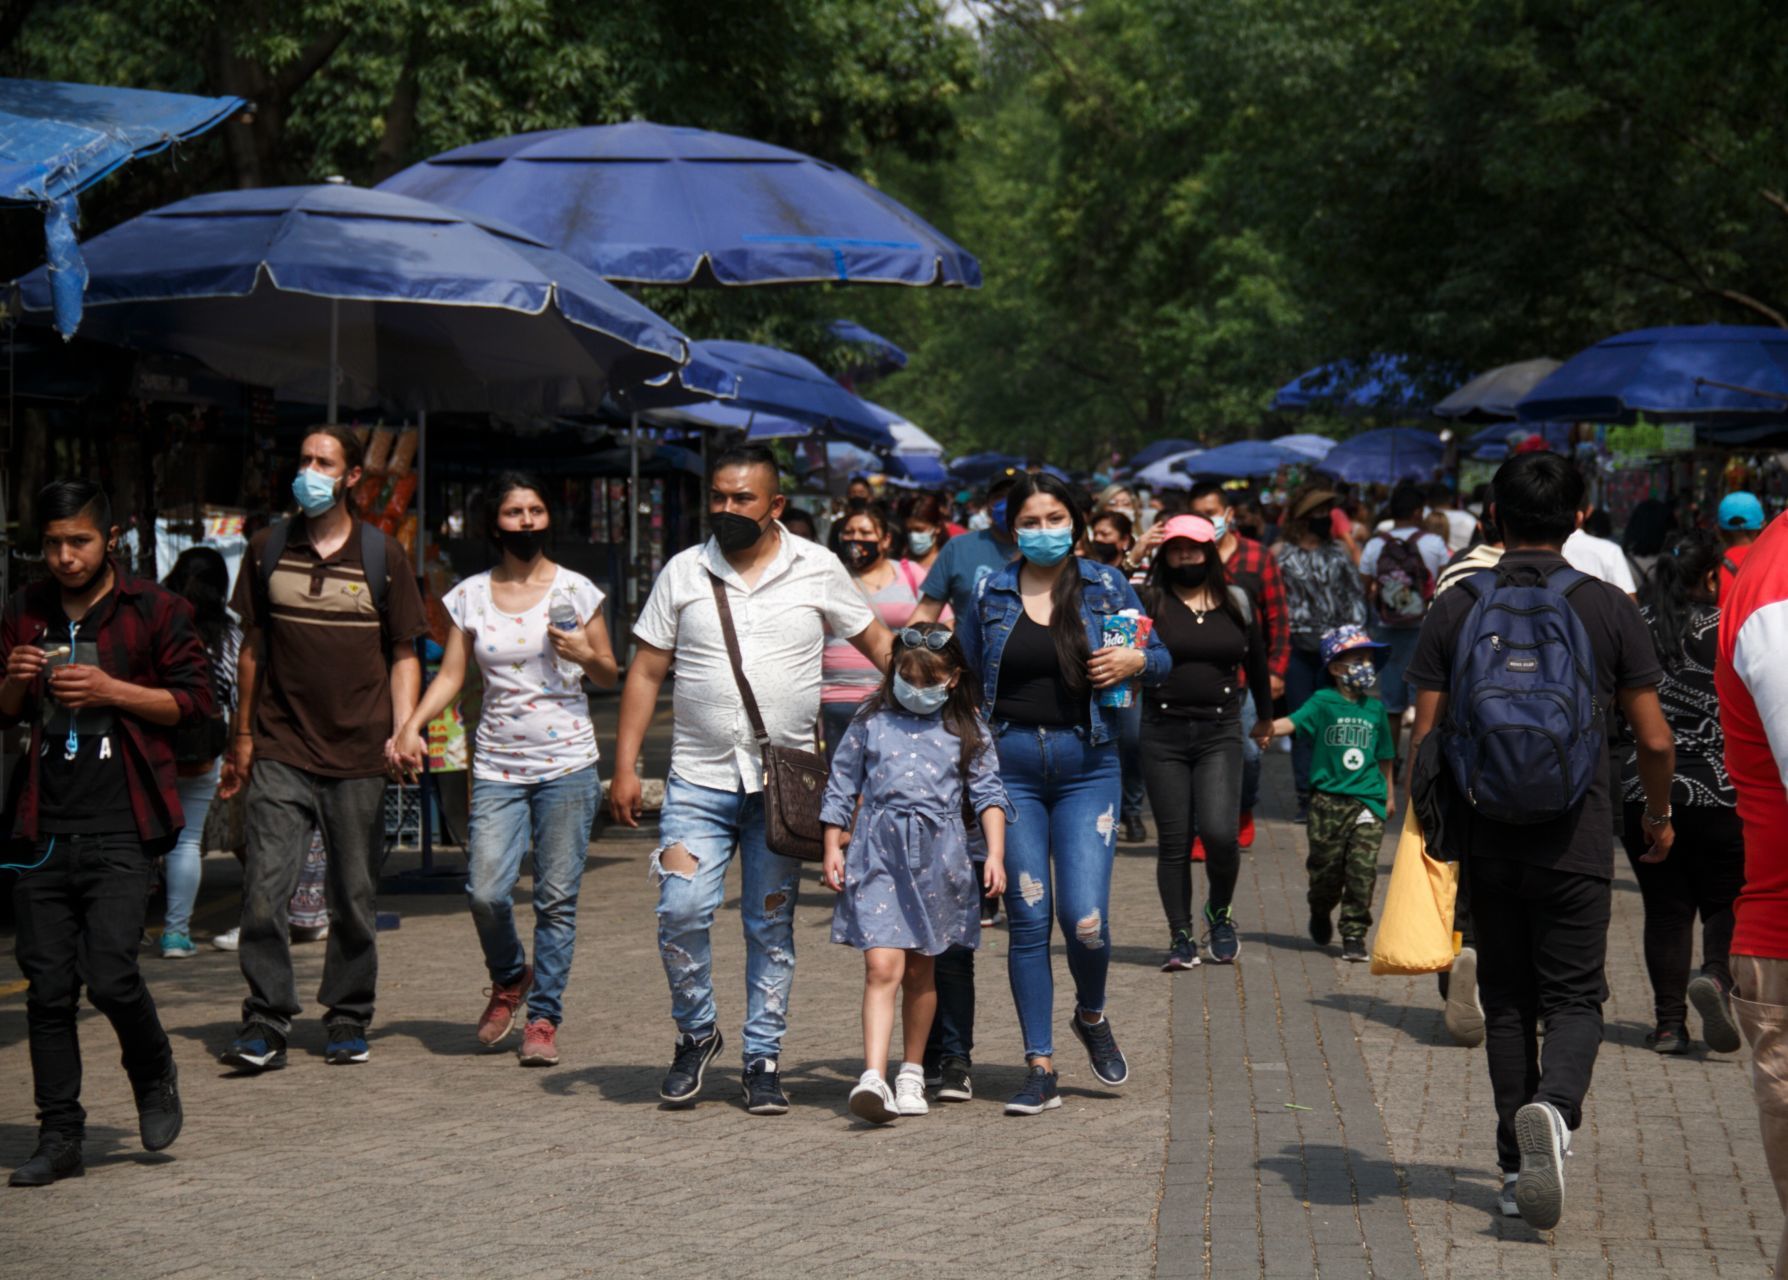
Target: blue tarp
(1386, 456)
(1654, 372)
(1378, 384)
(656, 204)
(56, 140)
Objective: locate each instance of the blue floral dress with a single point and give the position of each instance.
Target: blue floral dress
(908, 878)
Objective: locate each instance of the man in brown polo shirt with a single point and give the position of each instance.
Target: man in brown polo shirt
(327, 671)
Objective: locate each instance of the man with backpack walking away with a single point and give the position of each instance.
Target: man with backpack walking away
(1516, 668)
(326, 675)
(1400, 567)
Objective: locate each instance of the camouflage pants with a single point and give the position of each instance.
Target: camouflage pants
(1343, 861)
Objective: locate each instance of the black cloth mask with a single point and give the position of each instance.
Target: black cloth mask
(734, 532)
(523, 544)
(859, 555)
(1189, 575)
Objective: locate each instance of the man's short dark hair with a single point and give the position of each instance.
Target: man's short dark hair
(1002, 485)
(1406, 503)
(351, 449)
(1207, 489)
(1538, 496)
(72, 499)
(748, 455)
(1439, 496)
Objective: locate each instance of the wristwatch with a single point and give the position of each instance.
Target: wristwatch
(1658, 821)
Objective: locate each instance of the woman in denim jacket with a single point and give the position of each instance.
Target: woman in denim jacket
(1035, 635)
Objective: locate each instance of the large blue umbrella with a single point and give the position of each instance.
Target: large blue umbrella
(56, 140)
(1492, 395)
(1386, 457)
(1709, 371)
(1156, 450)
(1380, 383)
(918, 470)
(413, 306)
(1168, 472)
(657, 204)
(1308, 446)
(880, 357)
(1240, 460)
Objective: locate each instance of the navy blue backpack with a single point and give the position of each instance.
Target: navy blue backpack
(1524, 733)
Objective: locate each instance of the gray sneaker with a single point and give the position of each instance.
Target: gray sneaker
(1708, 995)
(1464, 1016)
(1543, 1137)
(1505, 1202)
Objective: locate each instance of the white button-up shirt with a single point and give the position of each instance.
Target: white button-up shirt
(781, 622)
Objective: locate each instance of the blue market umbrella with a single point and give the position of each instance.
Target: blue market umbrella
(1494, 443)
(982, 468)
(1492, 395)
(879, 357)
(1169, 472)
(657, 204)
(1712, 371)
(918, 470)
(57, 139)
(1240, 460)
(1309, 447)
(411, 305)
(1381, 383)
(1386, 456)
(1156, 450)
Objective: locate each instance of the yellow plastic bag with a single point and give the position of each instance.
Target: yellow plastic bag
(1415, 932)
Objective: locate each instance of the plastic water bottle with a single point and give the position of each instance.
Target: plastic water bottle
(561, 616)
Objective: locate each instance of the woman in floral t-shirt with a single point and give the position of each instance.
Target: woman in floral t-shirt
(536, 630)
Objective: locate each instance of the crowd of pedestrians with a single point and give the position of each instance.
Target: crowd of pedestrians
(948, 718)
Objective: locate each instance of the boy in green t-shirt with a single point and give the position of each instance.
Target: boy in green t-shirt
(1350, 787)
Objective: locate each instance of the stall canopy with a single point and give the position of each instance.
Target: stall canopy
(57, 139)
(1703, 372)
(658, 204)
(1386, 457)
(1492, 395)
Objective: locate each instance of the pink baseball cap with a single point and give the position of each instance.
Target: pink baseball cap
(1197, 528)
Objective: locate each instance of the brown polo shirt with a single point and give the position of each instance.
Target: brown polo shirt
(323, 695)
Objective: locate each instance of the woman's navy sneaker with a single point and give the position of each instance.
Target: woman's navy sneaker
(1183, 954)
(1101, 1047)
(1037, 1096)
(347, 1044)
(763, 1089)
(689, 1063)
(1221, 935)
(256, 1048)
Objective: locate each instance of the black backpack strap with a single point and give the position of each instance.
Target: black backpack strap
(271, 550)
(372, 561)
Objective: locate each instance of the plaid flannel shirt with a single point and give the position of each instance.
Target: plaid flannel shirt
(1254, 570)
(147, 637)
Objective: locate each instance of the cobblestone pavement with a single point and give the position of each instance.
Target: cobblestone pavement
(440, 1159)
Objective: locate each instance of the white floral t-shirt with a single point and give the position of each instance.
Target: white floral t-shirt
(536, 720)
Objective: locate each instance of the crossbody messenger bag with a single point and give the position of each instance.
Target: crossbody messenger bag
(794, 780)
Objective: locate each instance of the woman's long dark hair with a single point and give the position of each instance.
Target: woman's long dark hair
(961, 714)
(504, 485)
(1066, 625)
(1670, 589)
(1158, 586)
(202, 578)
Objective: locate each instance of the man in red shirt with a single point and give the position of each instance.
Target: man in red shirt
(1740, 520)
(1752, 681)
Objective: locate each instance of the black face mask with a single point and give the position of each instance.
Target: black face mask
(1320, 527)
(1189, 575)
(523, 544)
(1104, 552)
(734, 533)
(860, 555)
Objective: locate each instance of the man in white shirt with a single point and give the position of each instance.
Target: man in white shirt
(783, 593)
(1599, 557)
(1462, 526)
(1398, 594)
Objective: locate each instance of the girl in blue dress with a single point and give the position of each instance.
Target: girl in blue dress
(916, 765)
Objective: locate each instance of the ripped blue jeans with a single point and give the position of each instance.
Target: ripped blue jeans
(711, 825)
(1066, 791)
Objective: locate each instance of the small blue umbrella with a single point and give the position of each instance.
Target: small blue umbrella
(1380, 383)
(1493, 443)
(1711, 371)
(1386, 456)
(1240, 460)
(1168, 472)
(56, 140)
(1156, 450)
(657, 204)
(880, 356)
(1310, 447)
(918, 470)
(1493, 394)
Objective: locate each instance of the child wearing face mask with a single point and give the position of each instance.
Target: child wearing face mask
(915, 771)
(1350, 786)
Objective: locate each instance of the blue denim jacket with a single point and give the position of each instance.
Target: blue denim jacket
(1103, 591)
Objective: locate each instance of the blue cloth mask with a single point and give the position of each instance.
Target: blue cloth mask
(920, 699)
(997, 514)
(1358, 676)
(920, 543)
(1045, 546)
(315, 492)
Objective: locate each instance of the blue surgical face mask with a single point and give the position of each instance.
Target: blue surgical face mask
(920, 543)
(997, 514)
(920, 699)
(1045, 546)
(1221, 525)
(315, 492)
(1357, 676)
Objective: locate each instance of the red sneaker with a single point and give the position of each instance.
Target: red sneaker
(1197, 849)
(1244, 835)
(540, 1046)
(504, 1009)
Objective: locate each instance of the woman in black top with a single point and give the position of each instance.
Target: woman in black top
(1192, 730)
(1705, 871)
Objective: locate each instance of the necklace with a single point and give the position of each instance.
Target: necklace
(1197, 613)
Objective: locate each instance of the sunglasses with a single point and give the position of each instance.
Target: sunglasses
(913, 638)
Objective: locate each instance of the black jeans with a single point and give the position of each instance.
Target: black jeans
(1542, 938)
(284, 805)
(953, 1030)
(80, 918)
(1704, 872)
(1193, 769)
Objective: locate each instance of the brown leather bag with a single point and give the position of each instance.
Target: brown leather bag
(794, 780)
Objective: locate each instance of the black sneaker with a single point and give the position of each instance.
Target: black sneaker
(1135, 832)
(763, 1089)
(1037, 1096)
(1220, 934)
(1302, 816)
(689, 1064)
(57, 1156)
(346, 1044)
(256, 1048)
(1101, 1047)
(1183, 954)
(1322, 928)
(1353, 950)
(1708, 995)
(954, 1083)
(158, 1110)
(1670, 1040)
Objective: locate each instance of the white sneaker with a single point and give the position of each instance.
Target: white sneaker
(1464, 1016)
(1544, 1138)
(909, 1094)
(228, 940)
(1505, 1203)
(872, 1100)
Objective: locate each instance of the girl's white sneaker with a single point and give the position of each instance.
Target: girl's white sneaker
(872, 1100)
(909, 1094)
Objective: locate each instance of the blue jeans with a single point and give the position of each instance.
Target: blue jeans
(1393, 691)
(1130, 756)
(554, 818)
(711, 825)
(1066, 792)
(180, 868)
(1250, 756)
(1303, 677)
